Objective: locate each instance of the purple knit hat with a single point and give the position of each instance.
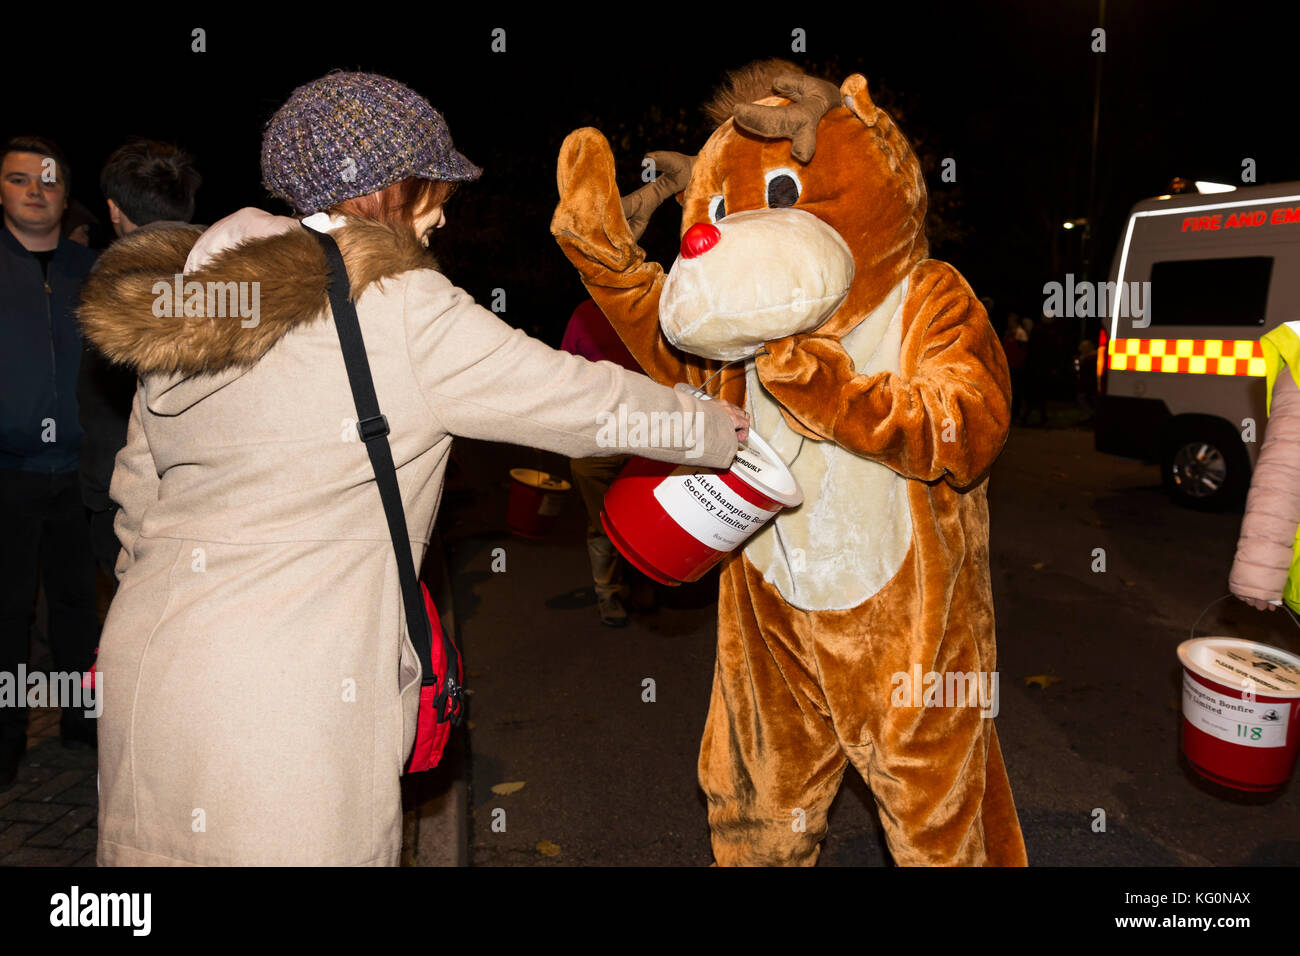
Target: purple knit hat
(353, 134)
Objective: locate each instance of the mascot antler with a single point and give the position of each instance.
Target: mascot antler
(812, 99)
(673, 175)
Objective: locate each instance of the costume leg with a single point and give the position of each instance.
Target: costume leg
(770, 764)
(935, 771)
(955, 811)
(1004, 843)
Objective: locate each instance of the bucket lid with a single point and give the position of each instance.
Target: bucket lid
(1232, 661)
(539, 479)
(760, 467)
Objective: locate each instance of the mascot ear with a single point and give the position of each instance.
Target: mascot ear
(858, 100)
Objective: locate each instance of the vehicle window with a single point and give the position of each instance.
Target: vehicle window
(1210, 291)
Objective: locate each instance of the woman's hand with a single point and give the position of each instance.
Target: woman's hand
(738, 418)
(1257, 603)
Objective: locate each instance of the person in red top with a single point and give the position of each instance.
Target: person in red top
(590, 335)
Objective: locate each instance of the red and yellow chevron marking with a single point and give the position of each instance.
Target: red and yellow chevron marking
(1193, 356)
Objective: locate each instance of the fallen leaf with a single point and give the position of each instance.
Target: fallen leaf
(1038, 565)
(505, 789)
(547, 848)
(1042, 680)
(1127, 583)
(469, 724)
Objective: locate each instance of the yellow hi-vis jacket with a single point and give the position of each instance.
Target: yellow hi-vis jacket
(1282, 347)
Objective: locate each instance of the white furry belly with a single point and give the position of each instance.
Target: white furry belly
(850, 536)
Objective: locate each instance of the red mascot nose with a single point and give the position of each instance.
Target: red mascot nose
(699, 239)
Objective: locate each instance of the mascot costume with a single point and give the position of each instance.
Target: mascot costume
(874, 372)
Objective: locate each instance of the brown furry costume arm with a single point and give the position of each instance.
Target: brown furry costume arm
(593, 232)
(949, 420)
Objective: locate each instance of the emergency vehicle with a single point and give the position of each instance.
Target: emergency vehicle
(1182, 383)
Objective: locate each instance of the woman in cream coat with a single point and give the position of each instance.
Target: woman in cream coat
(259, 687)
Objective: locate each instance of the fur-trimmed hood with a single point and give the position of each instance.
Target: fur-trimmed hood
(131, 312)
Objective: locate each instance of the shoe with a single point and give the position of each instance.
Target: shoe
(612, 612)
(11, 753)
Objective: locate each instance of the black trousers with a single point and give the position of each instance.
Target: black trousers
(45, 531)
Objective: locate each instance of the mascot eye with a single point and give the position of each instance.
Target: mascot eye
(717, 208)
(783, 188)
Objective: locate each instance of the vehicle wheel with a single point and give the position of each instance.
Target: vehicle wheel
(1205, 466)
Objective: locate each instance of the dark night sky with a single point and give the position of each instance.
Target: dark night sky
(1003, 88)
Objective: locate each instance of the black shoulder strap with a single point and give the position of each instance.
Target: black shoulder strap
(372, 426)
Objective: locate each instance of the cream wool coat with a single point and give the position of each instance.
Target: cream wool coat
(259, 688)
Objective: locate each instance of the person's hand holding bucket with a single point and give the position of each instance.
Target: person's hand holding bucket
(1259, 604)
(738, 418)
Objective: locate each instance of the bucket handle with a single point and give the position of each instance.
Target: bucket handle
(1192, 633)
(701, 390)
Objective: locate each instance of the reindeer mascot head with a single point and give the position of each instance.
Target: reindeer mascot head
(846, 626)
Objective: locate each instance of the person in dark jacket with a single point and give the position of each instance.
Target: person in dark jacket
(77, 223)
(45, 524)
(148, 185)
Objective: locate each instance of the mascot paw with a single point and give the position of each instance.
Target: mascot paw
(804, 361)
(805, 373)
(589, 220)
(673, 175)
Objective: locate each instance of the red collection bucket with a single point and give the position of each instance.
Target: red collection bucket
(1241, 711)
(535, 499)
(673, 523)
